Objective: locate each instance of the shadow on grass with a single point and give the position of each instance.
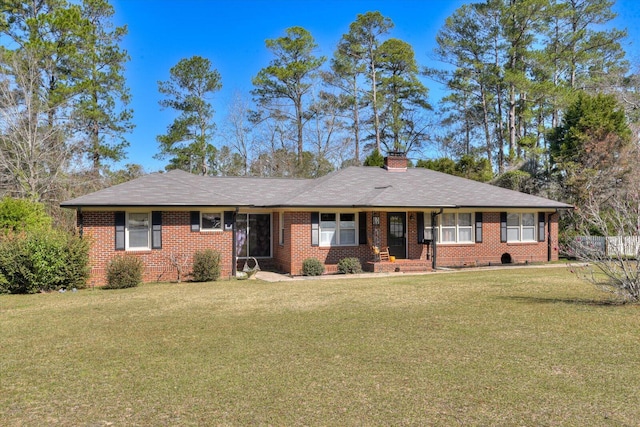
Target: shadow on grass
(570, 301)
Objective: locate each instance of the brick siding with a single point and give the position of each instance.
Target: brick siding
(178, 239)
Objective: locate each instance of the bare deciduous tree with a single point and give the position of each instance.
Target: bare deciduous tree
(238, 130)
(614, 264)
(33, 151)
(179, 261)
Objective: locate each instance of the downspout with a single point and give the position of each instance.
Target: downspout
(434, 237)
(234, 251)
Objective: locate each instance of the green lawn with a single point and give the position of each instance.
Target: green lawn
(517, 347)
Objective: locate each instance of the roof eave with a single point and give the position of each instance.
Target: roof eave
(152, 205)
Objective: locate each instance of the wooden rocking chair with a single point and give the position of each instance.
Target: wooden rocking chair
(380, 254)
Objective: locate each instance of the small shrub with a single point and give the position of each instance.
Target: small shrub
(349, 266)
(124, 272)
(206, 266)
(312, 267)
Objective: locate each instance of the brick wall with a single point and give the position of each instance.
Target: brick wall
(301, 249)
(177, 239)
(491, 250)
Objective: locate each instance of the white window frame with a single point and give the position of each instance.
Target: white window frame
(515, 224)
(337, 233)
(129, 227)
(211, 229)
(455, 228)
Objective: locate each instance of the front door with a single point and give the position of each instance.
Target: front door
(397, 234)
(253, 235)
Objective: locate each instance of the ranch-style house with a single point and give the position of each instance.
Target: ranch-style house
(420, 218)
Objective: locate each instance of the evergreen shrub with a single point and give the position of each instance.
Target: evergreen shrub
(124, 272)
(41, 261)
(206, 265)
(312, 267)
(349, 266)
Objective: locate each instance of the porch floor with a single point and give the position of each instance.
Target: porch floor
(399, 265)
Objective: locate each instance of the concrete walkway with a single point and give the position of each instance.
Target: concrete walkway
(269, 276)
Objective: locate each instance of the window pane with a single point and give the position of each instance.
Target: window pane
(448, 234)
(211, 221)
(464, 219)
(527, 219)
(138, 220)
(328, 229)
(347, 221)
(464, 234)
(513, 234)
(347, 229)
(328, 237)
(348, 237)
(513, 220)
(528, 233)
(138, 228)
(449, 220)
(427, 226)
(138, 238)
(327, 220)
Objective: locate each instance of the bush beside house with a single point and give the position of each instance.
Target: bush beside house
(35, 257)
(206, 265)
(124, 272)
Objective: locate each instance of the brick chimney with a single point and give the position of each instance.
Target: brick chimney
(396, 161)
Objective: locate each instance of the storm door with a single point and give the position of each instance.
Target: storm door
(253, 235)
(397, 234)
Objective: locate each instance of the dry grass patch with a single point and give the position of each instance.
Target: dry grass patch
(509, 347)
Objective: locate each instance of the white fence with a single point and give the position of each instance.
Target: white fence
(626, 246)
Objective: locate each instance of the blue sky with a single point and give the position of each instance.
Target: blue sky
(231, 34)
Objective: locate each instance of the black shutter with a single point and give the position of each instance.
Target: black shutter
(420, 228)
(541, 217)
(80, 222)
(156, 230)
(503, 227)
(119, 220)
(435, 231)
(228, 220)
(315, 228)
(362, 228)
(478, 227)
(195, 220)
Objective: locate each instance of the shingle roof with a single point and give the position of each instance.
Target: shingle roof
(350, 187)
